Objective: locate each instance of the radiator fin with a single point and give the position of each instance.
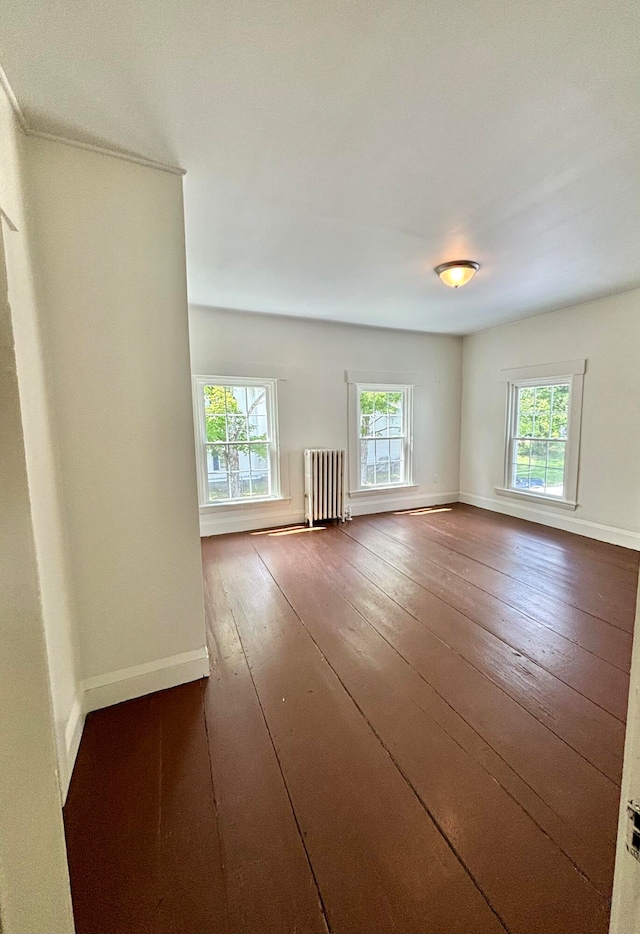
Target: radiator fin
(324, 484)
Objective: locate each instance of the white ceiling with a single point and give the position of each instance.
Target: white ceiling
(337, 150)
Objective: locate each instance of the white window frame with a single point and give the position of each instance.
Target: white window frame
(571, 372)
(271, 385)
(355, 472)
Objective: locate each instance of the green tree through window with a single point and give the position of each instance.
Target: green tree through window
(236, 426)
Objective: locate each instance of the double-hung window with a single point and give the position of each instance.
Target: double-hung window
(543, 432)
(383, 448)
(237, 439)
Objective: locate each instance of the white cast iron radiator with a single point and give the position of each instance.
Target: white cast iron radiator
(324, 484)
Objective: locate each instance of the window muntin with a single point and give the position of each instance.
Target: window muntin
(383, 436)
(238, 451)
(539, 438)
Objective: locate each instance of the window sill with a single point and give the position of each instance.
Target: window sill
(390, 488)
(537, 498)
(242, 503)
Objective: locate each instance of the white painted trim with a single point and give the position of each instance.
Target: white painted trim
(604, 533)
(13, 100)
(243, 504)
(107, 151)
(68, 141)
(544, 371)
(523, 496)
(242, 371)
(127, 683)
(408, 501)
(379, 490)
(72, 737)
(380, 377)
(217, 524)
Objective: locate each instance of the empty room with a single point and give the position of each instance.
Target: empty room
(319, 483)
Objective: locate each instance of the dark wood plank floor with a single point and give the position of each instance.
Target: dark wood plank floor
(414, 723)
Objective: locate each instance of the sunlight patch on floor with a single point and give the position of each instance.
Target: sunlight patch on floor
(422, 512)
(293, 530)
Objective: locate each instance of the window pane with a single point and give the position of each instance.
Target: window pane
(256, 400)
(521, 476)
(367, 463)
(367, 406)
(257, 427)
(521, 466)
(560, 415)
(236, 414)
(525, 412)
(523, 452)
(555, 471)
(539, 453)
(380, 414)
(381, 425)
(555, 482)
(382, 461)
(382, 419)
(542, 418)
(237, 473)
(239, 394)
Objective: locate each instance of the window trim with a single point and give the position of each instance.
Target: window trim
(550, 375)
(356, 488)
(199, 382)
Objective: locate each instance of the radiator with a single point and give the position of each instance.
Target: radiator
(324, 484)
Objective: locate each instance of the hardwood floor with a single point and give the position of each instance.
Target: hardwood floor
(414, 723)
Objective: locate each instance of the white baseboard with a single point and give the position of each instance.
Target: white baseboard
(375, 503)
(118, 686)
(222, 524)
(568, 523)
(68, 743)
(360, 506)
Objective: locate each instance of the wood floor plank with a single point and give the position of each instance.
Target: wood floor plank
(579, 565)
(593, 634)
(587, 728)
(360, 819)
(269, 882)
(607, 596)
(502, 753)
(573, 787)
(500, 526)
(531, 883)
(112, 821)
(191, 883)
(413, 724)
(594, 678)
(141, 836)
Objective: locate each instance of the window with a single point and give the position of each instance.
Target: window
(384, 436)
(543, 428)
(237, 444)
(539, 442)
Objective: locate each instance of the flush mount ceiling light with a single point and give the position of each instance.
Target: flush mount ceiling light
(457, 273)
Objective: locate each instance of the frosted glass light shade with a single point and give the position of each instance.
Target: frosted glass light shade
(458, 272)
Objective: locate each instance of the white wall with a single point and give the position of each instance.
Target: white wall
(607, 334)
(44, 487)
(313, 357)
(34, 884)
(109, 240)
